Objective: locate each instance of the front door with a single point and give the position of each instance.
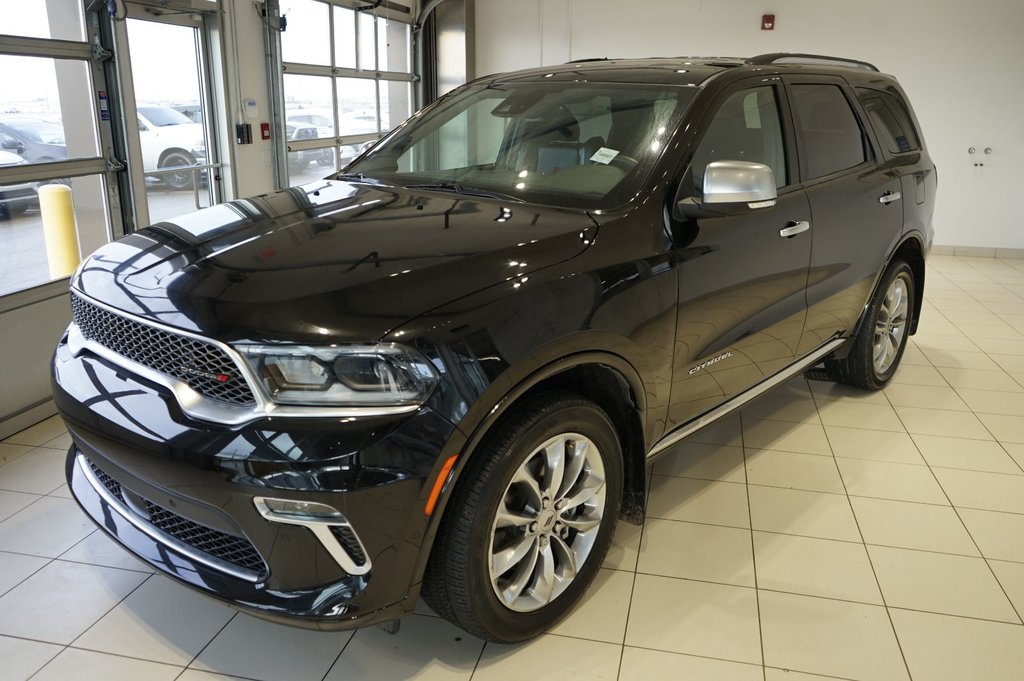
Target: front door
(741, 282)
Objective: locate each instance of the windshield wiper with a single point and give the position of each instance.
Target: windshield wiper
(457, 188)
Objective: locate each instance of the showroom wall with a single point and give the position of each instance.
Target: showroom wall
(959, 62)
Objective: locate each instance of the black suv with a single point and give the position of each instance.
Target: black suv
(445, 370)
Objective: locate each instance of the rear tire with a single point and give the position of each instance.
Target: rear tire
(530, 521)
(880, 342)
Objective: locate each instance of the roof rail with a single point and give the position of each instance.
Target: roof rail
(582, 61)
(818, 59)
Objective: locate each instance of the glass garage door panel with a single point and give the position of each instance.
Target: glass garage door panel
(168, 80)
(57, 19)
(42, 101)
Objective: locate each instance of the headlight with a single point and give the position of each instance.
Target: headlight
(354, 375)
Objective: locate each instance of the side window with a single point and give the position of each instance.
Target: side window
(832, 138)
(745, 128)
(891, 121)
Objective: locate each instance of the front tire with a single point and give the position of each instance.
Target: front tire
(881, 340)
(530, 521)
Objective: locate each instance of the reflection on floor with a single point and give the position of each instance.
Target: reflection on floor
(824, 531)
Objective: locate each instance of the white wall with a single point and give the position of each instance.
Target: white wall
(959, 62)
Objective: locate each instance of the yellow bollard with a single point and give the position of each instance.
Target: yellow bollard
(59, 229)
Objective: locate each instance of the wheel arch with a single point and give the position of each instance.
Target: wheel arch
(173, 150)
(606, 379)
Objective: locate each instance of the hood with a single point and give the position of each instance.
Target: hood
(329, 260)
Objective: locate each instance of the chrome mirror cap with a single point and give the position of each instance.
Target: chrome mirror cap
(739, 182)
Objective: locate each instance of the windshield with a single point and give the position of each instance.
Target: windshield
(162, 116)
(39, 131)
(587, 145)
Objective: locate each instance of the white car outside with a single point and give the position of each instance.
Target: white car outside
(169, 139)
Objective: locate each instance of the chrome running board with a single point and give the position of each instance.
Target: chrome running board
(755, 391)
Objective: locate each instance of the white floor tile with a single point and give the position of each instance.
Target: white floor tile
(425, 648)
(551, 658)
(944, 648)
(86, 665)
(974, 455)
(804, 438)
(912, 526)
(257, 649)
(9, 452)
(834, 638)
(710, 620)
(793, 471)
(16, 567)
(938, 582)
(1003, 428)
(873, 445)
(601, 614)
(883, 480)
(704, 552)
(39, 434)
(99, 549)
(987, 491)
(23, 658)
(639, 664)
(48, 527)
(707, 462)
(998, 534)
(12, 502)
(866, 416)
(39, 472)
(62, 600)
(1011, 577)
(160, 621)
(701, 501)
(815, 567)
(944, 422)
(625, 548)
(809, 514)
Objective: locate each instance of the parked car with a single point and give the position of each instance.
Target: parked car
(301, 158)
(319, 123)
(16, 199)
(446, 370)
(35, 140)
(171, 140)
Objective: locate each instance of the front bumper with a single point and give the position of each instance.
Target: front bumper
(179, 495)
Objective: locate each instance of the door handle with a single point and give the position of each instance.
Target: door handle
(889, 197)
(794, 228)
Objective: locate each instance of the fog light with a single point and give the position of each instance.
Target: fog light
(326, 523)
(295, 509)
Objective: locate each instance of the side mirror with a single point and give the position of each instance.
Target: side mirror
(14, 144)
(732, 188)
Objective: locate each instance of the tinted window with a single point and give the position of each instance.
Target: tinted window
(832, 137)
(745, 128)
(891, 121)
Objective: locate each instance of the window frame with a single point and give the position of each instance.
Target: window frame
(787, 126)
(334, 73)
(907, 112)
(872, 154)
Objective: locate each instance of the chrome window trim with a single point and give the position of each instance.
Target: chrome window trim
(204, 408)
(157, 535)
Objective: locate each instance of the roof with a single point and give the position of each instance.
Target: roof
(692, 71)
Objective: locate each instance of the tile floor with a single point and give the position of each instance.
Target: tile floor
(823, 532)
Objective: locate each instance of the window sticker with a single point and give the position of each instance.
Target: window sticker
(604, 155)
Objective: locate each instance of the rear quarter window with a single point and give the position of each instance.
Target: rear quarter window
(890, 119)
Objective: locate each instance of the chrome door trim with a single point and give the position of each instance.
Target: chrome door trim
(738, 401)
(889, 197)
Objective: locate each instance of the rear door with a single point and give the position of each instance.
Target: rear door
(856, 204)
(741, 283)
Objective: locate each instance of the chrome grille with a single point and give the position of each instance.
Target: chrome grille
(228, 548)
(212, 542)
(191, 361)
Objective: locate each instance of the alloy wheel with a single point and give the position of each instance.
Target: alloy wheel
(891, 324)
